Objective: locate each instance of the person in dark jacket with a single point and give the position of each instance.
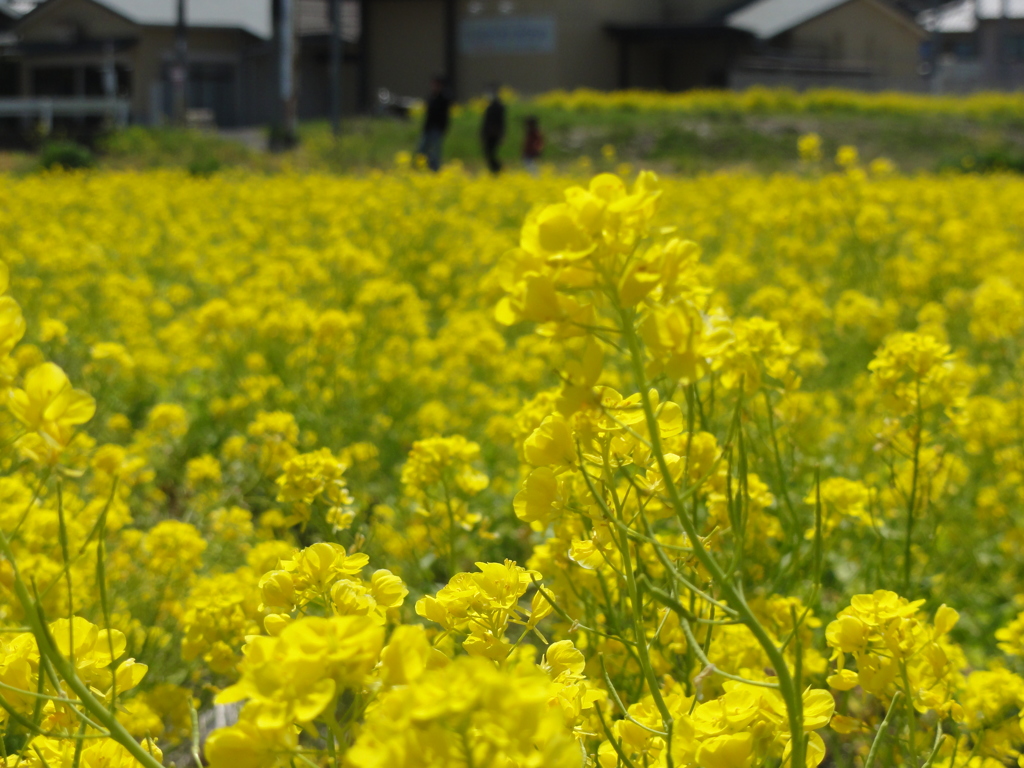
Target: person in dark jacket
(492, 131)
(435, 124)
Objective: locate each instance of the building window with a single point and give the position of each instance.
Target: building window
(10, 76)
(96, 85)
(1013, 47)
(211, 86)
(966, 49)
(963, 49)
(53, 81)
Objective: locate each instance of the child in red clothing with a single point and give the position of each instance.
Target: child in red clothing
(533, 145)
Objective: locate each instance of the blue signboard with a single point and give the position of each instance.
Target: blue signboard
(514, 34)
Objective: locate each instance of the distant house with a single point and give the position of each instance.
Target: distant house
(863, 44)
(124, 50)
(978, 44)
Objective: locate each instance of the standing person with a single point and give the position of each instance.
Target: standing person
(533, 144)
(492, 131)
(435, 125)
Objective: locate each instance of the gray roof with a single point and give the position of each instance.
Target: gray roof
(948, 19)
(253, 16)
(14, 9)
(993, 9)
(963, 16)
(768, 18)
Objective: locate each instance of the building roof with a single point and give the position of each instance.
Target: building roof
(768, 18)
(11, 10)
(994, 9)
(952, 18)
(253, 16)
(962, 16)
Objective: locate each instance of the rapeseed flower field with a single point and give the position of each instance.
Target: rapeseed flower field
(413, 470)
(759, 99)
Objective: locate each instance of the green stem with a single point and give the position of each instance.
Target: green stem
(101, 580)
(701, 653)
(640, 633)
(935, 747)
(912, 502)
(870, 760)
(334, 731)
(451, 530)
(194, 746)
(636, 604)
(616, 745)
(792, 696)
(48, 652)
(911, 716)
(783, 488)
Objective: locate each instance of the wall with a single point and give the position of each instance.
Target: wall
(863, 32)
(589, 55)
(406, 45)
(260, 85)
(1000, 71)
(205, 46)
(314, 81)
(528, 72)
(585, 55)
(681, 64)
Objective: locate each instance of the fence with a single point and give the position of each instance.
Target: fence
(45, 109)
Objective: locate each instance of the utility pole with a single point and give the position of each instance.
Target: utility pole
(179, 70)
(1003, 48)
(451, 55)
(289, 101)
(335, 66)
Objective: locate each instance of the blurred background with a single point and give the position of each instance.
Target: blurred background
(137, 80)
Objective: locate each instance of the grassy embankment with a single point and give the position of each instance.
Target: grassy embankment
(687, 142)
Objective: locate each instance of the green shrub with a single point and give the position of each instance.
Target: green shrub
(204, 163)
(999, 160)
(65, 154)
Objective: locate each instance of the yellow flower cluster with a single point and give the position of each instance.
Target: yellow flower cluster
(467, 713)
(893, 647)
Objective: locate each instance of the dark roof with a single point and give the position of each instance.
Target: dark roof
(252, 16)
